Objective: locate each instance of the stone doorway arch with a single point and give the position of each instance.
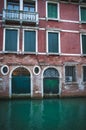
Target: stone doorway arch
(21, 81)
(51, 81)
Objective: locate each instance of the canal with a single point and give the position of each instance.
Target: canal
(47, 114)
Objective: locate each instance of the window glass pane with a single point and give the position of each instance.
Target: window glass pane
(29, 41)
(10, 7)
(70, 75)
(16, 7)
(29, 7)
(32, 9)
(52, 42)
(26, 9)
(52, 10)
(84, 44)
(11, 40)
(13, 6)
(84, 73)
(83, 14)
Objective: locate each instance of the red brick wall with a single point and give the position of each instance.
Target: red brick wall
(70, 43)
(1, 5)
(42, 8)
(20, 39)
(69, 12)
(41, 41)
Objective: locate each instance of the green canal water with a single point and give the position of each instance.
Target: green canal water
(47, 114)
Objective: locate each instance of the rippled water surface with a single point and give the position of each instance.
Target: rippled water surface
(49, 114)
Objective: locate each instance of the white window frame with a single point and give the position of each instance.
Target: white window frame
(58, 12)
(7, 69)
(21, 4)
(4, 34)
(81, 43)
(36, 4)
(5, 4)
(38, 68)
(36, 42)
(70, 64)
(80, 13)
(52, 53)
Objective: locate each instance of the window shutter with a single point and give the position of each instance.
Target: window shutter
(29, 41)
(52, 10)
(84, 73)
(84, 44)
(53, 42)
(83, 14)
(11, 40)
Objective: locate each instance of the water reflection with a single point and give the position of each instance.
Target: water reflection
(64, 114)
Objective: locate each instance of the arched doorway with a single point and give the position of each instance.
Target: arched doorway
(51, 81)
(21, 81)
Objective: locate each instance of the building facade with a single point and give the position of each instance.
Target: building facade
(42, 48)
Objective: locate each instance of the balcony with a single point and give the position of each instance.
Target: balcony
(20, 16)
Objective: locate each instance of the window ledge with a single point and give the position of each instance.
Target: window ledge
(53, 54)
(34, 53)
(70, 83)
(82, 22)
(84, 83)
(83, 55)
(10, 52)
(52, 19)
(17, 52)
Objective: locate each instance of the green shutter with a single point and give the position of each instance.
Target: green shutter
(52, 10)
(11, 40)
(83, 14)
(51, 81)
(51, 85)
(20, 84)
(84, 44)
(30, 41)
(84, 73)
(52, 42)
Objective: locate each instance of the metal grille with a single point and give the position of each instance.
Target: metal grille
(51, 72)
(70, 73)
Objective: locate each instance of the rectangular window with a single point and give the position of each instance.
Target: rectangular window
(52, 10)
(84, 44)
(12, 11)
(11, 36)
(29, 7)
(12, 6)
(53, 41)
(70, 74)
(29, 13)
(84, 73)
(83, 14)
(29, 41)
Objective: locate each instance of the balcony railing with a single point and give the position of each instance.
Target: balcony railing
(21, 16)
